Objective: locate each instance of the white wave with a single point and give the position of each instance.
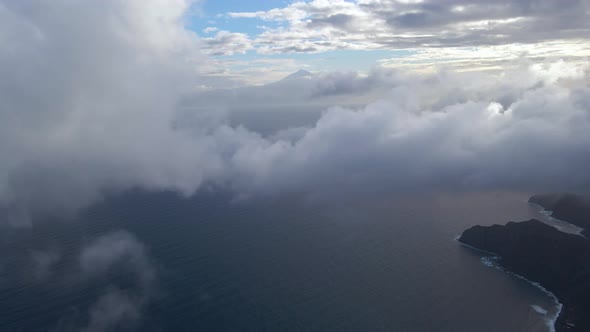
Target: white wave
(561, 225)
(550, 320)
(538, 309)
(492, 261)
(489, 261)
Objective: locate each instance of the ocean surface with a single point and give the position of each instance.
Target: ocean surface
(389, 263)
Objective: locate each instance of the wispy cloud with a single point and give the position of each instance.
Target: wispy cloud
(117, 307)
(227, 43)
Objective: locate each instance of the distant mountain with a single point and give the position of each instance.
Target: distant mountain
(298, 75)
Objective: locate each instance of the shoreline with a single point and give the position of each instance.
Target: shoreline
(493, 262)
(548, 214)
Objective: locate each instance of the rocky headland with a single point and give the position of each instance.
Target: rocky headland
(560, 262)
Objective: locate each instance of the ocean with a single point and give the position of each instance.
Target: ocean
(289, 263)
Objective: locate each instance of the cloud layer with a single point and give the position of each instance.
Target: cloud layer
(321, 25)
(526, 130)
(91, 104)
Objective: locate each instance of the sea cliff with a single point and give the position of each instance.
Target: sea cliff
(560, 262)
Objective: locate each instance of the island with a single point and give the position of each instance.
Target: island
(558, 261)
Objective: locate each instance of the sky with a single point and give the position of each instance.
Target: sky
(260, 41)
(102, 97)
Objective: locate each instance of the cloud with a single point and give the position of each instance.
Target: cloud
(84, 90)
(104, 101)
(121, 249)
(522, 130)
(322, 25)
(117, 307)
(351, 83)
(494, 57)
(112, 311)
(117, 275)
(210, 29)
(227, 43)
(346, 86)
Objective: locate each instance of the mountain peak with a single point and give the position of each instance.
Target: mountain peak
(301, 73)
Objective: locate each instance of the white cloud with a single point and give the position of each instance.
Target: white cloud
(496, 57)
(321, 25)
(77, 86)
(210, 30)
(518, 130)
(227, 43)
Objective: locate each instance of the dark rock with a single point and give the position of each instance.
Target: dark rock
(572, 208)
(541, 253)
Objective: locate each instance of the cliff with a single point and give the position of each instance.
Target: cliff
(558, 261)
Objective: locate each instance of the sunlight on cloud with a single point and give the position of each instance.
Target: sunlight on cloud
(491, 57)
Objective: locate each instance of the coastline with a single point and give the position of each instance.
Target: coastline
(567, 208)
(549, 215)
(492, 261)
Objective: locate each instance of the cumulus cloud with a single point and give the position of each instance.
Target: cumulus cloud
(82, 91)
(523, 130)
(95, 103)
(519, 132)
